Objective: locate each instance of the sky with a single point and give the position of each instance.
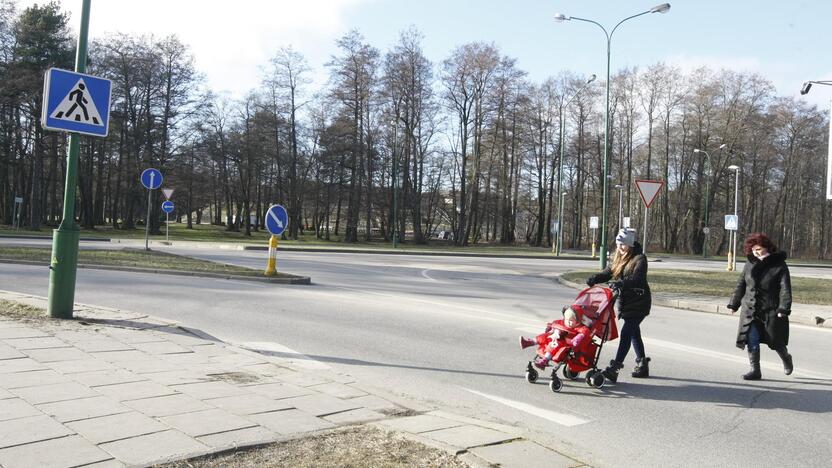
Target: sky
(784, 41)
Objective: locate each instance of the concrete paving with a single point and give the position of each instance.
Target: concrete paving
(116, 388)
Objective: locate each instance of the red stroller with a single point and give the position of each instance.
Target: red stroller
(599, 316)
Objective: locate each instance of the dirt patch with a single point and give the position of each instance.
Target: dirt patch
(357, 446)
(24, 312)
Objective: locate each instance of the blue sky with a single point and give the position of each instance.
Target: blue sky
(785, 41)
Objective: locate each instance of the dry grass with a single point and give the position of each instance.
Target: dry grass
(719, 284)
(16, 310)
(352, 447)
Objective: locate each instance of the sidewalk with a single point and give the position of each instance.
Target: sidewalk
(114, 388)
(801, 313)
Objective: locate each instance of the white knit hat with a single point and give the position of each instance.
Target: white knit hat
(626, 236)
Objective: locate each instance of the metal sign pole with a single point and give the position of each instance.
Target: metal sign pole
(167, 227)
(644, 235)
(147, 220)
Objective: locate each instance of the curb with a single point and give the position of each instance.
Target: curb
(32, 236)
(697, 306)
(293, 279)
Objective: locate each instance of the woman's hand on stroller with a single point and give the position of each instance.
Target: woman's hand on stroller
(616, 286)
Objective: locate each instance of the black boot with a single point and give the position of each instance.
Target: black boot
(611, 372)
(788, 365)
(754, 360)
(642, 369)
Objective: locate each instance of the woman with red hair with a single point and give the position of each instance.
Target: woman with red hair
(764, 291)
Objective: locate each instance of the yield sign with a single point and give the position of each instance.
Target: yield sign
(168, 192)
(649, 189)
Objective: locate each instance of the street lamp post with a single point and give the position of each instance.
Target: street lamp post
(620, 205)
(663, 8)
(560, 170)
(395, 227)
(732, 257)
(707, 198)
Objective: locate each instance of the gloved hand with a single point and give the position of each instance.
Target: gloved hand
(577, 341)
(616, 285)
(591, 281)
(732, 309)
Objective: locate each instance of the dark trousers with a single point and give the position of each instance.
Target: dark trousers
(753, 342)
(630, 335)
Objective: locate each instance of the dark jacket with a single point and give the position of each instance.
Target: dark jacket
(763, 290)
(635, 298)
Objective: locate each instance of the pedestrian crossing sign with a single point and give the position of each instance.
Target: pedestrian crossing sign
(75, 102)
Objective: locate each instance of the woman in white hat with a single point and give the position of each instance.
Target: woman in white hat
(628, 273)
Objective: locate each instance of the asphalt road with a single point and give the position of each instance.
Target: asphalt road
(443, 330)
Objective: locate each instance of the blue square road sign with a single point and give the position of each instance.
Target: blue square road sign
(75, 102)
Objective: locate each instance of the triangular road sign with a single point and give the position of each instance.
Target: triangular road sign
(649, 190)
(167, 192)
(78, 106)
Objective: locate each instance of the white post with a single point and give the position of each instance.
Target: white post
(167, 227)
(736, 205)
(644, 236)
(829, 159)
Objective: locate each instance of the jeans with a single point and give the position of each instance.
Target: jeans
(630, 334)
(753, 343)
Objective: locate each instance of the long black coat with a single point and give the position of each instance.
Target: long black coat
(635, 299)
(763, 290)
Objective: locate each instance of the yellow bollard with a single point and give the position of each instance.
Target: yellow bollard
(271, 266)
(593, 250)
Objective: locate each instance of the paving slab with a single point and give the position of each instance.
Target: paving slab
(106, 377)
(167, 405)
(55, 453)
(148, 366)
(56, 354)
(40, 394)
(116, 357)
(14, 408)
(468, 436)
(43, 342)
(5, 394)
(23, 364)
(161, 347)
(210, 350)
(116, 427)
(237, 360)
(248, 404)
(207, 390)
(30, 429)
(523, 454)
(101, 345)
(20, 332)
(154, 448)
(84, 408)
(129, 336)
(419, 424)
(113, 463)
(183, 338)
(320, 404)
(177, 377)
(32, 378)
(376, 403)
(290, 421)
(9, 352)
(302, 379)
(185, 359)
(135, 390)
(278, 390)
(338, 390)
(206, 422)
(239, 438)
(356, 416)
(86, 365)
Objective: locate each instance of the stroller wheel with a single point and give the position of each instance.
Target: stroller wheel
(597, 380)
(531, 374)
(589, 375)
(570, 374)
(556, 384)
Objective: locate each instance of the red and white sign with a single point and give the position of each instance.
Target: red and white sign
(167, 192)
(649, 190)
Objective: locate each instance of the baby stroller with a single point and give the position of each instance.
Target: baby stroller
(599, 316)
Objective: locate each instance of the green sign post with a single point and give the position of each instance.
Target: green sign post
(65, 239)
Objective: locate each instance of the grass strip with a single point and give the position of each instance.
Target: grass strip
(132, 258)
(719, 284)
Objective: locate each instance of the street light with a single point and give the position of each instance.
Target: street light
(807, 85)
(395, 230)
(732, 258)
(563, 104)
(707, 197)
(663, 8)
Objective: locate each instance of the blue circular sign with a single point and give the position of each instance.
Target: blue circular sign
(167, 206)
(151, 178)
(277, 220)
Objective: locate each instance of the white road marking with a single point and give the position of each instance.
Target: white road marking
(285, 354)
(567, 420)
(425, 274)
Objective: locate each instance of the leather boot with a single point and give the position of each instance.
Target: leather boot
(611, 372)
(526, 342)
(754, 360)
(788, 364)
(642, 369)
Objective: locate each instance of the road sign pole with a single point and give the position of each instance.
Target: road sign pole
(147, 220)
(167, 227)
(64, 262)
(644, 235)
(593, 242)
